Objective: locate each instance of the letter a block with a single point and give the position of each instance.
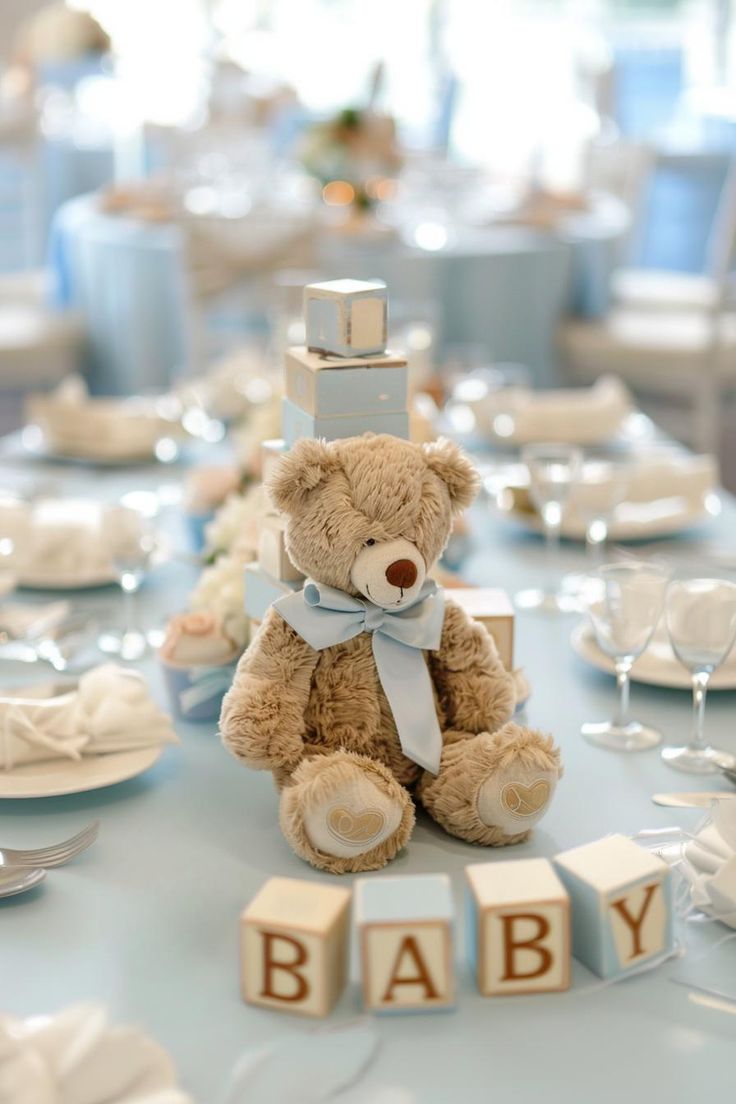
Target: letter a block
(519, 927)
(405, 933)
(294, 944)
(621, 904)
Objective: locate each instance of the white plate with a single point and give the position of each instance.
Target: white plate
(40, 581)
(35, 443)
(656, 667)
(67, 776)
(636, 520)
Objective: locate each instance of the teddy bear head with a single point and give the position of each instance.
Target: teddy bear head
(371, 515)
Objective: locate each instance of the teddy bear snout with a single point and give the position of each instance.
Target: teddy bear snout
(402, 573)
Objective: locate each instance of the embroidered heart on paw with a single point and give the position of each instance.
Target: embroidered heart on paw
(350, 827)
(524, 801)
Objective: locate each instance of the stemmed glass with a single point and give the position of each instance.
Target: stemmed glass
(552, 471)
(625, 603)
(601, 487)
(701, 623)
(132, 547)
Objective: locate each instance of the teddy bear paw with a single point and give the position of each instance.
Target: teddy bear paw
(516, 798)
(353, 820)
(345, 813)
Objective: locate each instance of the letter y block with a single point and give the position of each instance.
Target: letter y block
(622, 907)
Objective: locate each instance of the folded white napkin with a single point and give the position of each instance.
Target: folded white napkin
(76, 1057)
(646, 482)
(76, 424)
(109, 710)
(584, 415)
(711, 864)
(56, 538)
(25, 619)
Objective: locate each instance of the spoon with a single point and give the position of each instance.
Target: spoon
(18, 879)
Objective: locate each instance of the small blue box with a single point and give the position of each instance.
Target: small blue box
(261, 590)
(405, 931)
(196, 693)
(297, 423)
(346, 317)
(325, 386)
(621, 898)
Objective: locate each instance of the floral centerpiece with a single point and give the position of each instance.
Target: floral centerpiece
(350, 154)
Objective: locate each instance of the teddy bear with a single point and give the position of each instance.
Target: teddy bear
(370, 690)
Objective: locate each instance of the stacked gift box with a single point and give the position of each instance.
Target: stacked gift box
(342, 383)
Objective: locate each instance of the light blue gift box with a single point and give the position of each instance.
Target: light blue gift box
(297, 423)
(196, 693)
(346, 317)
(261, 590)
(419, 900)
(596, 876)
(327, 387)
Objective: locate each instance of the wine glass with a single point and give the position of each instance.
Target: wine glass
(625, 603)
(132, 546)
(601, 487)
(701, 623)
(552, 471)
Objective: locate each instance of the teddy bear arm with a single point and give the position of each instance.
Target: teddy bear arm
(476, 691)
(263, 713)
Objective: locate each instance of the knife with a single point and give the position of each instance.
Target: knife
(691, 800)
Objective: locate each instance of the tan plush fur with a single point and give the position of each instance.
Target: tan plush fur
(316, 718)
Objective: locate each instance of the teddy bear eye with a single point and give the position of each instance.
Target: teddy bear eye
(370, 542)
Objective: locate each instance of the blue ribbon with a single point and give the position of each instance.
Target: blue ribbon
(325, 616)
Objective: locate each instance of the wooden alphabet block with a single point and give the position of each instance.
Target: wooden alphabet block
(272, 554)
(271, 453)
(495, 611)
(294, 938)
(327, 387)
(297, 423)
(621, 904)
(346, 317)
(518, 927)
(405, 934)
(261, 589)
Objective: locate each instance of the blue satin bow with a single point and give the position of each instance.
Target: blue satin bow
(325, 616)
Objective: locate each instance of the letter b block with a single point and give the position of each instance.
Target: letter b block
(405, 935)
(621, 899)
(294, 943)
(519, 927)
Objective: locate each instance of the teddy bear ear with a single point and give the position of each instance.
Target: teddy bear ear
(455, 470)
(299, 471)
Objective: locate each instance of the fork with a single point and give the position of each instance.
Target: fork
(56, 855)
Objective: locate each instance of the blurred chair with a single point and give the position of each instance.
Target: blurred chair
(622, 168)
(38, 346)
(686, 351)
(662, 289)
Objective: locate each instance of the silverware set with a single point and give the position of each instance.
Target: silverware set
(21, 870)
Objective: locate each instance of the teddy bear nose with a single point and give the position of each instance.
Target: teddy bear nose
(402, 573)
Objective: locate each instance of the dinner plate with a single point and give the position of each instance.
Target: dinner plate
(657, 666)
(68, 776)
(36, 580)
(634, 521)
(161, 450)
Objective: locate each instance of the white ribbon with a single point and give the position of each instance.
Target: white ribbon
(325, 616)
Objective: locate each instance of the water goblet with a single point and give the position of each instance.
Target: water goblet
(132, 546)
(552, 470)
(701, 623)
(624, 602)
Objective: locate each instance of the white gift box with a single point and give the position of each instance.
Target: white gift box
(261, 589)
(493, 608)
(327, 387)
(346, 317)
(272, 554)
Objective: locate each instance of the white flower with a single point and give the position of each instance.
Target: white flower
(75, 1057)
(221, 591)
(236, 525)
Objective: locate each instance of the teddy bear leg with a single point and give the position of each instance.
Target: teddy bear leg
(345, 813)
(492, 789)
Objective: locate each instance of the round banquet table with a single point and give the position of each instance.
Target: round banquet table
(502, 287)
(147, 919)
